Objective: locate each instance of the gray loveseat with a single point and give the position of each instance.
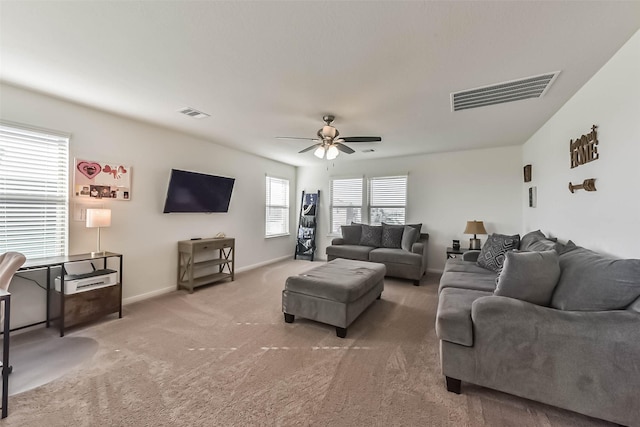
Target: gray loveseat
(402, 249)
(579, 351)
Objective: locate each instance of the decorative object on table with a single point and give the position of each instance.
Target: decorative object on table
(533, 197)
(584, 149)
(587, 185)
(527, 173)
(475, 227)
(100, 180)
(98, 218)
(456, 244)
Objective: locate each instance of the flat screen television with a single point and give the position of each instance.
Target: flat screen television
(198, 192)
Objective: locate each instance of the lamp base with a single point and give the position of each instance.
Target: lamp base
(101, 253)
(474, 244)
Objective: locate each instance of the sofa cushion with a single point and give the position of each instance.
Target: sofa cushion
(529, 276)
(392, 236)
(459, 265)
(356, 252)
(465, 280)
(371, 235)
(351, 234)
(396, 256)
(594, 282)
(531, 237)
(410, 235)
(453, 320)
(492, 253)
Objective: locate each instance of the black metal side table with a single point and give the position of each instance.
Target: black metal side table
(453, 253)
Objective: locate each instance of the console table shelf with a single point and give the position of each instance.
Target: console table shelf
(205, 261)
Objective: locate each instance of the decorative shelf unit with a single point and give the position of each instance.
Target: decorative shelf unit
(205, 261)
(306, 240)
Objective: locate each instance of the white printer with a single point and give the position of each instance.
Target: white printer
(85, 278)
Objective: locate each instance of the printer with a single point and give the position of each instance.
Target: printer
(86, 278)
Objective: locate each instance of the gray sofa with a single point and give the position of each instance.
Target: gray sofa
(579, 351)
(402, 249)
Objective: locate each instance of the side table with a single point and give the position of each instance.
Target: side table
(453, 253)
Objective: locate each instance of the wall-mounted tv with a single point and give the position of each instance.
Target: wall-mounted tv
(198, 192)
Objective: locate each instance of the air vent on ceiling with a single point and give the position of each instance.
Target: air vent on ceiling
(515, 90)
(192, 112)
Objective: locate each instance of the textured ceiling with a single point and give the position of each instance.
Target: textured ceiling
(266, 69)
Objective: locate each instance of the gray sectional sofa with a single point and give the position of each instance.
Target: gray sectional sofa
(576, 346)
(401, 248)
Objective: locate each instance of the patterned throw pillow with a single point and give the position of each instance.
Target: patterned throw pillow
(492, 255)
(351, 234)
(371, 235)
(392, 235)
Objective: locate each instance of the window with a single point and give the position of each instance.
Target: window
(346, 202)
(387, 200)
(277, 210)
(33, 191)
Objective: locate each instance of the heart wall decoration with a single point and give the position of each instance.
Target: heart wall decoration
(101, 180)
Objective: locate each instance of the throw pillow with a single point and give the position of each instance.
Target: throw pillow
(530, 238)
(351, 234)
(529, 276)
(392, 235)
(594, 282)
(492, 253)
(371, 235)
(410, 235)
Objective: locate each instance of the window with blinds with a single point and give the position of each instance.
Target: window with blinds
(387, 200)
(33, 191)
(277, 207)
(346, 202)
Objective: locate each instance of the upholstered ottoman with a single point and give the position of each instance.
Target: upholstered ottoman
(334, 293)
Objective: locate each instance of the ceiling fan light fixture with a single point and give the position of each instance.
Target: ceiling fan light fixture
(332, 152)
(329, 132)
(319, 153)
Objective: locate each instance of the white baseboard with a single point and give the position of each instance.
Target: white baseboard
(262, 264)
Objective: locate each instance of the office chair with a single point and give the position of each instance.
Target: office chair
(10, 262)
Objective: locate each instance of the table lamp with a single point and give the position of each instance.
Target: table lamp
(98, 218)
(474, 227)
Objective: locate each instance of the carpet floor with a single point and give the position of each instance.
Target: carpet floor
(223, 356)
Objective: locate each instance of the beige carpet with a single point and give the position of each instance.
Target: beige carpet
(223, 356)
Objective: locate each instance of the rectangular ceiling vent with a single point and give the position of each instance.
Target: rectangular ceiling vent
(515, 90)
(192, 112)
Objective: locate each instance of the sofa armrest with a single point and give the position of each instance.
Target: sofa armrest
(470, 255)
(420, 248)
(566, 358)
(337, 241)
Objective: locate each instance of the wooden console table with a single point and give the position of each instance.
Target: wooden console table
(205, 261)
(80, 307)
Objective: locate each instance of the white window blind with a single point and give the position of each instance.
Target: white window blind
(277, 207)
(346, 202)
(33, 191)
(387, 200)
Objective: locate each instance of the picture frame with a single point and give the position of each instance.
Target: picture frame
(533, 196)
(527, 173)
(101, 180)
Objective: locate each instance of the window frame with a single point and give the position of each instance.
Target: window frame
(44, 196)
(286, 207)
(370, 206)
(332, 206)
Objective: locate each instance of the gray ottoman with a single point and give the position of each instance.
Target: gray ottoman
(334, 293)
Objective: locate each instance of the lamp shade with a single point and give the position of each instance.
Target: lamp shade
(319, 153)
(332, 152)
(475, 227)
(98, 218)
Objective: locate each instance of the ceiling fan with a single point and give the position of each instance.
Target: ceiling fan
(329, 143)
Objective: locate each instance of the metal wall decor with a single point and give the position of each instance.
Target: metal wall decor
(527, 173)
(584, 149)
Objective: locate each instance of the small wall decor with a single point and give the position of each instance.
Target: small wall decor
(533, 197)
(584, 149)
(100, 180)
(527, 173)
(587, 185)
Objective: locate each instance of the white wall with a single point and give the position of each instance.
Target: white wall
(139, 229)
(444, 192)
(608, 219)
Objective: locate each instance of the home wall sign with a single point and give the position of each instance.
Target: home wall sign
(101, 180)
(584, 149)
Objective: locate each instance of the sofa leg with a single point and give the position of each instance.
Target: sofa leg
(453, 385)
(289, 317)
(341, 332)
(416, 283)
(379, 296)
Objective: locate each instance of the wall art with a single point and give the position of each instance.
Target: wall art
(584, 149)
(101, 180)
(527, 173)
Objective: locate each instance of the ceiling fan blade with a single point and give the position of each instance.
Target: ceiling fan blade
(310, 148)
(295, 137)
(362, 139)
(344, 148)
